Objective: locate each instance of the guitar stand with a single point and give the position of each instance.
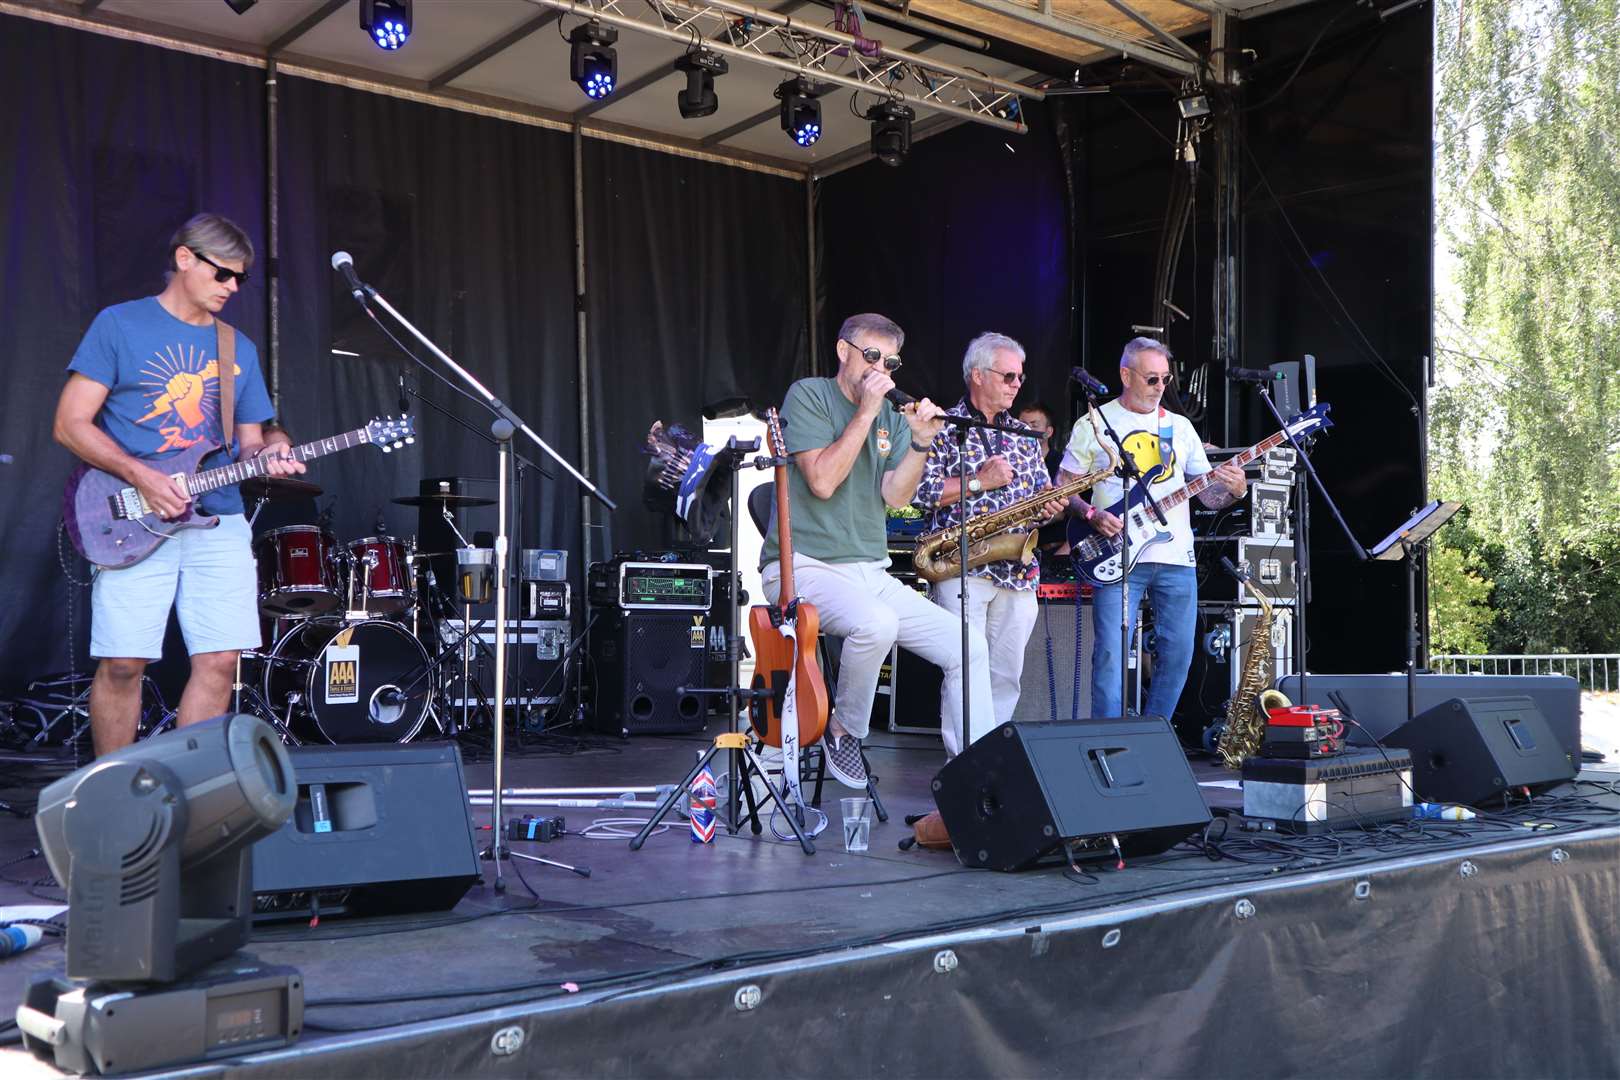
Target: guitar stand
(748, 765)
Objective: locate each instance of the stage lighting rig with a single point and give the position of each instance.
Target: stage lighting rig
(241, 6)
(593, 62)
(387, 21)
(891, 131)
(801, 110)
(700, 66)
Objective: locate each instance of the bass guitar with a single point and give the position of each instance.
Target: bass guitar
(112, 525)
(784, 635)
(1097, 557)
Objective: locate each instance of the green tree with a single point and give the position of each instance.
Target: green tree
(1525, 426)
(1460, 614)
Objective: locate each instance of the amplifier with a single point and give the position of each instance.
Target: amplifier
(1353, 789)
(1043, 695)
(647, 665)
(651, 586)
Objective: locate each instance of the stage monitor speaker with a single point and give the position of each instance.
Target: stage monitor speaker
(1029, 790)
(377, 830)
(1378, 702)
(1473, 750)
(647, 663)
(1040, 690)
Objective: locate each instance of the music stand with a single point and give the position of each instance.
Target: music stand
(1402, 545)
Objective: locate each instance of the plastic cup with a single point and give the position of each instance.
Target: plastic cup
(857, 823)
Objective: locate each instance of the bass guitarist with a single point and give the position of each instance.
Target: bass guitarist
(1165, 572)
(145, 384)
(854, 454)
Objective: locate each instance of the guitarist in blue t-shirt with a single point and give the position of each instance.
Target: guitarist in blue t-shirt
(145, 386)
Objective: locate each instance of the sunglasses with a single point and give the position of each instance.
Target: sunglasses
(1011, 378)
(222, 274)
(872, 356)
(1153, 380)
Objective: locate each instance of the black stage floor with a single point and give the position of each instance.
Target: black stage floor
(1433, 951)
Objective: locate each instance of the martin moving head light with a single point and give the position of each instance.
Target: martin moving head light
(700, 66)
(593, 62)
(891, 131)
(153, 845)
(387, 21)
(801, 111)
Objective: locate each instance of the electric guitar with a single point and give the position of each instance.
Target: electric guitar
(112, 525)
(784, 634)
(1097, 557)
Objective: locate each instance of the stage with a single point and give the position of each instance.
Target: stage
(1482, 949)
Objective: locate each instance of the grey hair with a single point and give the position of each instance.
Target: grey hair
(1139, 345)
(213, 235)
(872, 323)
(981, 352)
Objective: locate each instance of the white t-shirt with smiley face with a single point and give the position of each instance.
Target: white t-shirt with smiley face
(1140, 432)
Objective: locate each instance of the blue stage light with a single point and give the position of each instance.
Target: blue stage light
(801, 111)
(387, 21)
(593, 63)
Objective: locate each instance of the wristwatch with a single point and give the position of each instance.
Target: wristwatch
(974, 487)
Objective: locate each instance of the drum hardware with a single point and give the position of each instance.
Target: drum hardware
(260, 707)
(345, 682)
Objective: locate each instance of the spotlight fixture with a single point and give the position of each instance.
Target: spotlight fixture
(593, 63)
(1193, 105)
(698, 99)
(387, 21)
(801, 110)
(891, 131)
(241, 6)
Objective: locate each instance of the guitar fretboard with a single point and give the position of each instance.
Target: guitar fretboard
(238, 471)
(1193, 487)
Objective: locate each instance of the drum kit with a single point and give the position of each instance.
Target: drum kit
(354, 651)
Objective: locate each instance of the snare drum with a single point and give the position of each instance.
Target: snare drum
(339, 682)
(382, 565)
(298, 572)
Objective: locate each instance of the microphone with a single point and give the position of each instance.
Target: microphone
(404, 398)
(1092, 384)
(899, 398)
(1252, 375)
(343, 263)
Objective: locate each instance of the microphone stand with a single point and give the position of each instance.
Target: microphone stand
(506, 424)
(1127, 472)
(1302, 545)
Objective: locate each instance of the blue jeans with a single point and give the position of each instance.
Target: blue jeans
(1173, 591)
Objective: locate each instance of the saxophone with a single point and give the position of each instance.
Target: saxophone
(994, 537)
(1247, 712)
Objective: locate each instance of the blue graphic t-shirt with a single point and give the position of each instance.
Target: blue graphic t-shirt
(162, 377)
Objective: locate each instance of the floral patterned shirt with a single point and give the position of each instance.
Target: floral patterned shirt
(1029, 476)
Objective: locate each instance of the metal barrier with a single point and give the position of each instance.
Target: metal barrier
(1594, 671)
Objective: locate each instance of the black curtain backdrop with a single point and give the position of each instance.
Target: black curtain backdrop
(971, 234)
(107, 147)
(696, 290)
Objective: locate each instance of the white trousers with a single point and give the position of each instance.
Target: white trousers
(1006, 618)
(873, 612)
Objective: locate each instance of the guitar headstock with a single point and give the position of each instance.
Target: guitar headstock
(773, 433)
(389, 434)
(1311, 421)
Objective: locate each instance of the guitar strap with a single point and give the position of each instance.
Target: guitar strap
(227, 379)
(1167, 440)
(790, 729)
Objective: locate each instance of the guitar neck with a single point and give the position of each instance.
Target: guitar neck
(784, 538)
(1193, 487)
(238, 471)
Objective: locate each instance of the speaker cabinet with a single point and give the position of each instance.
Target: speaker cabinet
(647, 662)
(1059, 625)
(1030, 790)
(377, 830)
(1473, 750)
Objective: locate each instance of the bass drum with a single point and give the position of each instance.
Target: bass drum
(366, 682)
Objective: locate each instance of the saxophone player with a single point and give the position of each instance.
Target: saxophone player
(1003, 469)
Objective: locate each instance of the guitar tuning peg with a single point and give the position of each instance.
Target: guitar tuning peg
(387, 449)
(410, 439)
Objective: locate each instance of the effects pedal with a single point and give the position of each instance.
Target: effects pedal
(542, 829)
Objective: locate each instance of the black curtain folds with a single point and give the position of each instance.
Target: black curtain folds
(697, 289)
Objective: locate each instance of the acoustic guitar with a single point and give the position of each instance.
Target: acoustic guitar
(784, 634)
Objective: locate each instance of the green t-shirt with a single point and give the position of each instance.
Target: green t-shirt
(852, 525)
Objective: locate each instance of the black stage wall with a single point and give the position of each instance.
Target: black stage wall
(697, 284)
(1345, 148)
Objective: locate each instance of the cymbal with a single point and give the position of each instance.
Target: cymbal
(279, 487)
(451, 501)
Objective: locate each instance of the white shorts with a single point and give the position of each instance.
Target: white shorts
(208, 575)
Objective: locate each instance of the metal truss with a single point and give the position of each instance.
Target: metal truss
(824, 56)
